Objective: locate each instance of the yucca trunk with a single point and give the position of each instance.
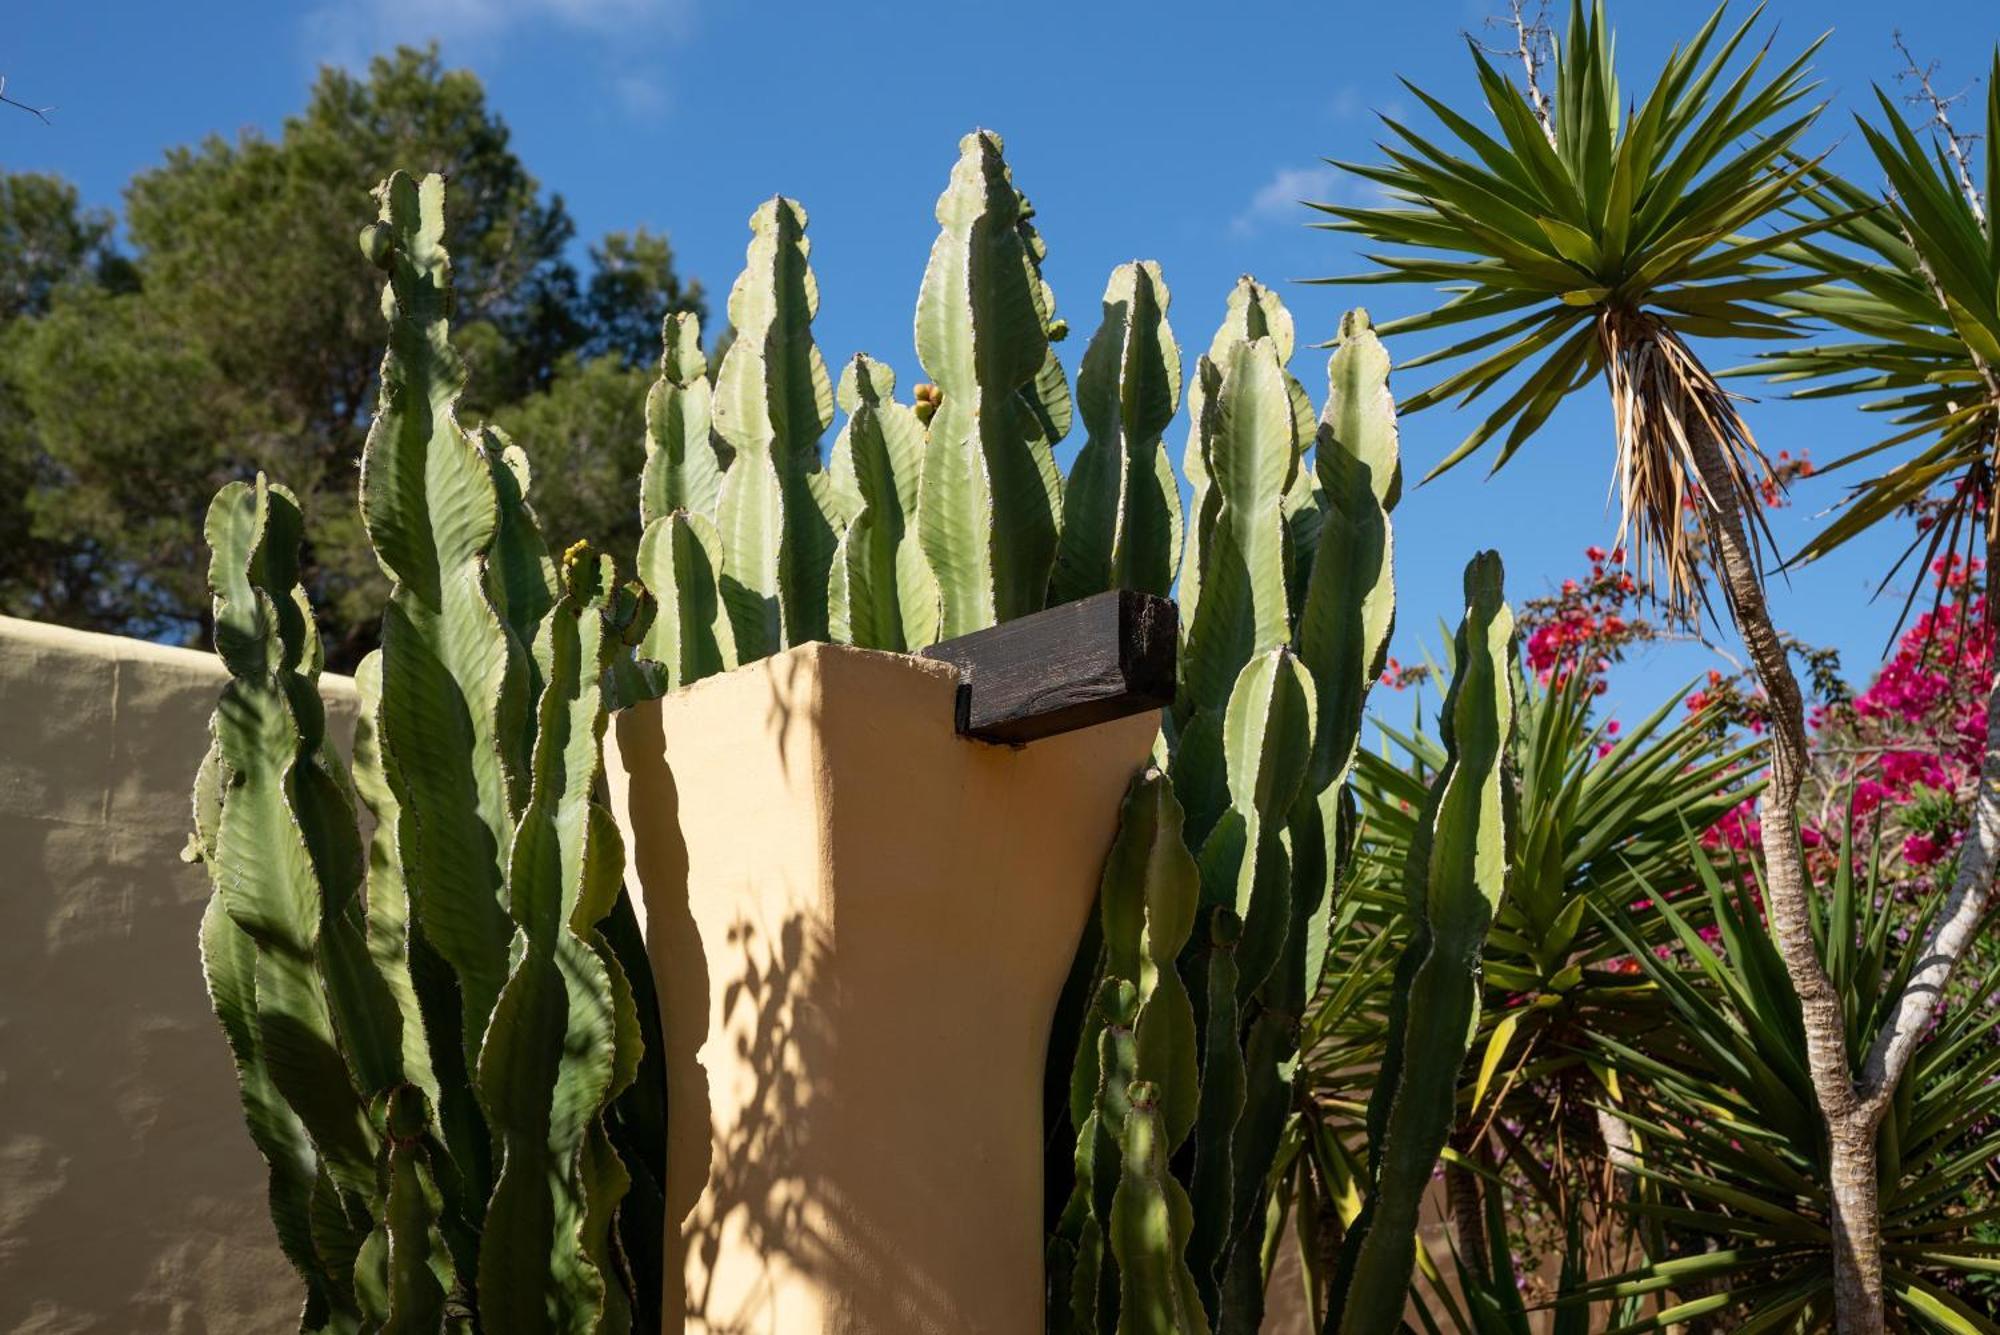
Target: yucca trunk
(1851, 1166)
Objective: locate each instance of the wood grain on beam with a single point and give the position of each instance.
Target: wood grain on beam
(1087, 662)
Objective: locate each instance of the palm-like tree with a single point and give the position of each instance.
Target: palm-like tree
(1585, 242)
(1913, 280)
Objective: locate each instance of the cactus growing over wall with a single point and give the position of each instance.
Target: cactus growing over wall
(442, 1036)
(432, 1076)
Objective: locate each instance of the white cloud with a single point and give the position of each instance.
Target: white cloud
(335, 22)
(482, 32)
(1278, 198)
(640, 95)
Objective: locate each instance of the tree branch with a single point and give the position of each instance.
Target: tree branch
(1958, 922)
(1533, 47)
(1950, 936)
(1955, 143)
(39, 113)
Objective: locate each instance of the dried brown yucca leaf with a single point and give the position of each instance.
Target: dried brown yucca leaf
(1662, 400)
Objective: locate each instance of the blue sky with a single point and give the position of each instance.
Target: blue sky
(1169, 131)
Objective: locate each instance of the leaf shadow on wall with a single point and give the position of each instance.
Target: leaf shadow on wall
(755, 1224)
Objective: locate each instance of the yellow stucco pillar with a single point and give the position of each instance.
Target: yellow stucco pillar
(858, 924)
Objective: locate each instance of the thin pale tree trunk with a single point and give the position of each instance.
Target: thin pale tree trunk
(1851, 1122)
(1958, 921)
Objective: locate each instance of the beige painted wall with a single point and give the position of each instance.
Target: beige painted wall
(859, 923)
(131, 1198)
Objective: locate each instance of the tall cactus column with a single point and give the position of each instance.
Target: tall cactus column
(859, 923)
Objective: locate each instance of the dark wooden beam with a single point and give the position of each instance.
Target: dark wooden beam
(1087, 662)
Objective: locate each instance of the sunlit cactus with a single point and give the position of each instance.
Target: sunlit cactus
(431, 1032)
(443, 1033)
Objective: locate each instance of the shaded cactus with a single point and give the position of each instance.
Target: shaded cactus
(1084, 1282)
(680, 559)
(1211, 1183)
(1143, 1027)
(1287, 605)
(429, 1076)
(1150, 1221)
(1122, 504)
(1453, 884)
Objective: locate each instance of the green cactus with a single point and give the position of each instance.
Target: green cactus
(1253, 311)
(1453, 884)
(1142, 1028)
(772, 403)
(991, 503)
(1250, 451)
(432, 1076)
(1122, 504)
(680, 557)
(1211, 1182)
(446, 1037)
(1084, 1291)
(1287, 605)
(1281, 565)
(683, 468)
(881, 594)
(1150, 1222)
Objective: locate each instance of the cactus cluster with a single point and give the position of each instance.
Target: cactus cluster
(443, 1033)
(948, 515)
(1216, 900)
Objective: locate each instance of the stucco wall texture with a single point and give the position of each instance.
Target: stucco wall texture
(131, 1199)
(859, 923)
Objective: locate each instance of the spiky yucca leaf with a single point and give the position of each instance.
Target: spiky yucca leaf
(1731, 1149)
(1598, 246)
(1915, 277)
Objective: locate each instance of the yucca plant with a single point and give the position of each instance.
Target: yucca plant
(1592, 242)
(1914, 281)
(1721, 1105)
